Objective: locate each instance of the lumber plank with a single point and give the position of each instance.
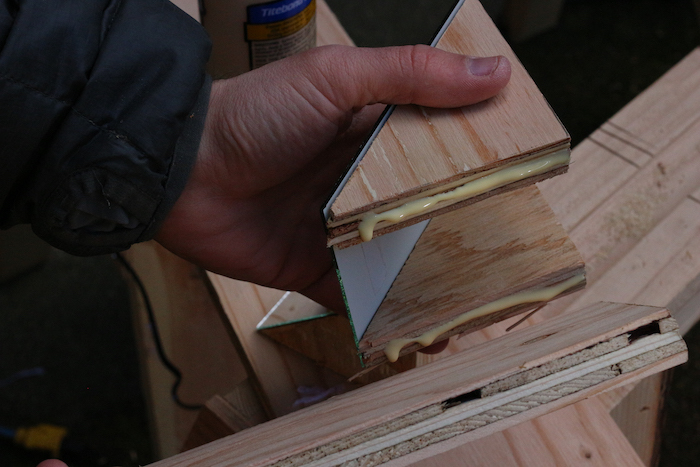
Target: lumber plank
(649, 202)
(661, 122)
(639, 416)
(275, 372)
(423, 151)
(660, 115)
(563, 357)
(580, 434)
(225, 415)
(194, 338)
(534, 442)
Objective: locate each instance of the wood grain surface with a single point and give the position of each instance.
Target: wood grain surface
(421, 149)
(471, 257)
(377, 405)
(639, 235)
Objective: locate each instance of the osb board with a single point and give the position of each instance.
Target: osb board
(420, 148)
(580, 434)
(501, 246)
(408, 393)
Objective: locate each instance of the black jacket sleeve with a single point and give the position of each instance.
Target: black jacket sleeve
(102, 104)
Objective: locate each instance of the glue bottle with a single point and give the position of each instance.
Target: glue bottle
(248, 34)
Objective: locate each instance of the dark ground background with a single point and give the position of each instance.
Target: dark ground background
(70, 316)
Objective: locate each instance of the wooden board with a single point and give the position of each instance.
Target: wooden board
(651, 146)
(225, 415)
(639, 416)
(580, 433)
(501, 383)
(422, 151)
(194, 337)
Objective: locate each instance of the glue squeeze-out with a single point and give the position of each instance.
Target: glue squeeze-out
(251, 33)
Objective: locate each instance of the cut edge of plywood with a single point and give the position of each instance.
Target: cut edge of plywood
(496, 401)
(327, 340)
(345, 232)
(615, 345)
(507, 247)
(376, 354)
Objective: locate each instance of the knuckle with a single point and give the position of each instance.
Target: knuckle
(415, 63)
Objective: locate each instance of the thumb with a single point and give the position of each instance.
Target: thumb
(350, 77)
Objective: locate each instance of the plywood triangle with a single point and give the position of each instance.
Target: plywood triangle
(423, 151)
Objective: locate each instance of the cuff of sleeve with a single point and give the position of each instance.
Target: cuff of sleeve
(95, 211)
(184, 158)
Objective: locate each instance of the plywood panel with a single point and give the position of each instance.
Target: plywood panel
(395, 408)
(421, 149)
(494, 249)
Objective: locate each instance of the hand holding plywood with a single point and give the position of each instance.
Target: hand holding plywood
(421, 152)
(279, 371)
(466, 259)
(421, 162)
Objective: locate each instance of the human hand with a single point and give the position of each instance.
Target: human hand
(277, 139)
(51, 463)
